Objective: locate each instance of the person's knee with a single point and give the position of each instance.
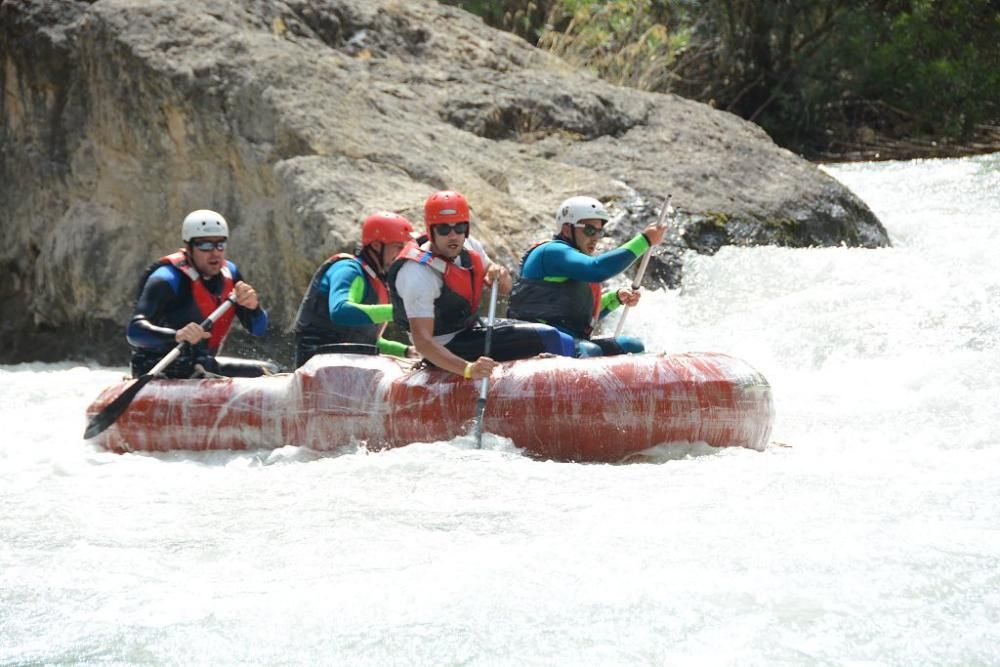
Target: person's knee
(630, 345)
(567, 344)
(609, 347)
(243, 368)
(556, 342)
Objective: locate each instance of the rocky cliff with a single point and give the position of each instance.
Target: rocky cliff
(297, 118)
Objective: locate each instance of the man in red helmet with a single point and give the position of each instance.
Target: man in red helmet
(346, 307)
(436, 288)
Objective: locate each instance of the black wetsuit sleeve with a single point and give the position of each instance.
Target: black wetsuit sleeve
(150, 307)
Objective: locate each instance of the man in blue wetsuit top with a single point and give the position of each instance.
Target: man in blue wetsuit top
(436, 288)
(560, 281)
(346, 306)
(181, 290)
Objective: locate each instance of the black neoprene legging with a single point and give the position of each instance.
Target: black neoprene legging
(184, 366)
(512, 339)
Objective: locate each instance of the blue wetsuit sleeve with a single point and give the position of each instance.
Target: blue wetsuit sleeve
(159, 291)
(254, 321)
(346, 305)
(563, 261)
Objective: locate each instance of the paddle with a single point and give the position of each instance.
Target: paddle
(637, 281)
(477, 429)
(115, 408)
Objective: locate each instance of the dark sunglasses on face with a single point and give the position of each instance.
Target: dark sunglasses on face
(589, 230)
(458, 228)
(208, 246)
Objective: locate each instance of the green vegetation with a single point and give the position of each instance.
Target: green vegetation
(819, 77)
(716, 219)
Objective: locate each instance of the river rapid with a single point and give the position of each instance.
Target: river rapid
(867, 533)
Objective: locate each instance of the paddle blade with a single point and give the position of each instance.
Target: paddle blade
(115, 408)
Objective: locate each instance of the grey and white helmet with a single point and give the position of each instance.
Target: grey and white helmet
(203, 223)
(575, 209)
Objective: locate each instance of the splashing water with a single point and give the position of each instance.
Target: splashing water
(867, 533)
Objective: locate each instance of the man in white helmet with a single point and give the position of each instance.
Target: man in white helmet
(179, 291)
(560, 281)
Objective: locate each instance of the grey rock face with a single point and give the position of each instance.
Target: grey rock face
(295, 119)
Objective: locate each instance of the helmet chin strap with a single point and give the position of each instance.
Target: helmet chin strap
(572, 236)
(375, 259)
(189, 251)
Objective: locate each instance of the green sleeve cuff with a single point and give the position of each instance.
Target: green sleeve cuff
(391, 347)
(637, 246)
(609, 301)
(377, 313)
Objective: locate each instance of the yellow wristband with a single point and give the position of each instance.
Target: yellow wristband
(468, 371)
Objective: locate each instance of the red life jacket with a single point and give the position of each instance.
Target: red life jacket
(374, 281)
(205, 301)
(595, 315)
(458, 304)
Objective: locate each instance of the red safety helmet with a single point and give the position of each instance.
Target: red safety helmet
(386, 227)
(445, 207)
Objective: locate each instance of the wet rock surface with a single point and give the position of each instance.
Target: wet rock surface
(295, 119)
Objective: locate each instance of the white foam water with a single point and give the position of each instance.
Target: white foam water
(867, 533)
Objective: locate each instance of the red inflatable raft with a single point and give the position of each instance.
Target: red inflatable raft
(602, 409)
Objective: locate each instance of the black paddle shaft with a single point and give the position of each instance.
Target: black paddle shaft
(110, 414)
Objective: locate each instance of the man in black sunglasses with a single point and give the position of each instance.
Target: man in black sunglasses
(436, 289)
(560, 281)
(179, 291)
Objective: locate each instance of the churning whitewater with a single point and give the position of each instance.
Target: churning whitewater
(868, 532)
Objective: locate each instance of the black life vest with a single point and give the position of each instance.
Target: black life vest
(313, 326)
(571, 305)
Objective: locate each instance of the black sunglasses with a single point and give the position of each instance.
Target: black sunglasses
(208, 246)
(589, 230)
(458, 228)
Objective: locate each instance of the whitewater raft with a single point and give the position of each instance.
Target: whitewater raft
(603, 409)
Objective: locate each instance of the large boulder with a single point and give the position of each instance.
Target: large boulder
(297, 118)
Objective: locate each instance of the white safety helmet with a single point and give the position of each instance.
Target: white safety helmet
(203, 223)
(575, 209)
